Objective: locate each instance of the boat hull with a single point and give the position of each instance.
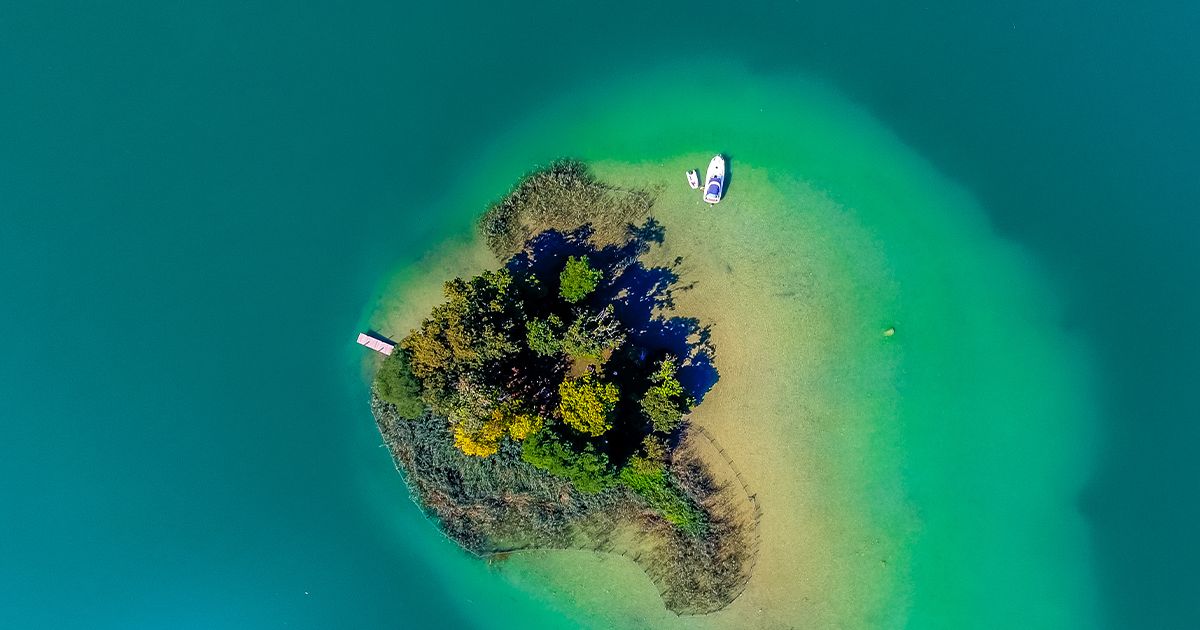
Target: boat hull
(714, 180)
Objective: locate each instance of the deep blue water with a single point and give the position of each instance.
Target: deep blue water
(196, 203)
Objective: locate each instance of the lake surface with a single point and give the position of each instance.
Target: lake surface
(199, 205)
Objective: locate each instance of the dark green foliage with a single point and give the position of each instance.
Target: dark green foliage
(590, 335)
(664, 403)
(395, 383)
(544, 335)
(587, 470)
(578, 279)
(652, 458)
(473, 329)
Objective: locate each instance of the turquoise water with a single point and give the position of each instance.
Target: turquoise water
(198, 203)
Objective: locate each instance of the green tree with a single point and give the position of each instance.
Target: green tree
(591, 334)
(578, 279)
(543, 335)
(587, 405)
(664, 403)
(588, 470)
(652, 457)
(395, 383)
(473, 329)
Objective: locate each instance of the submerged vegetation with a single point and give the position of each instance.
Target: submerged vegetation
(561, 392)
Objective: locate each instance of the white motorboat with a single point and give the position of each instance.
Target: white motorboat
(714, 181)
(693, 179)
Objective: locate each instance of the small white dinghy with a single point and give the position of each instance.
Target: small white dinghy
(693, 179)
(714, 181)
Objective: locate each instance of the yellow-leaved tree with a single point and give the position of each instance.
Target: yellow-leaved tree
(587, 404)
(510, 418)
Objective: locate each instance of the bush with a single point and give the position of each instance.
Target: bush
(663, 403)
(587, 405)
(543, 335)
(468, 332)
(588, 470)
(578, 279)
(396, 384)
(662, 494)
(652, 458)
(590, 335)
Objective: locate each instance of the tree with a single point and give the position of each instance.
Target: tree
(480, 435)
(578, 279)
(543, 335)
(587, 405)
(472, 329)
(587, 470)
(395, 383)
(524, 425)
(664, 402)
(482, 444)
(651, 459)
(590, 335)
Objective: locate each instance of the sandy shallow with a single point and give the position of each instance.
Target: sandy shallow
(794, 419)
(783, 407)
(927, 479)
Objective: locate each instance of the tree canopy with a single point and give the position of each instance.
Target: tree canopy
(587, 404)
(396, 384)
(544, 336)
(560, 375)
(588, 470)
(578, 279)
(591, 334)
(664, 403)
(472, 328)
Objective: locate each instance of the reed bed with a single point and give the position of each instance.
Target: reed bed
(562, 196)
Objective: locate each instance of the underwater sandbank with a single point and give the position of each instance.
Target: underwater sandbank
(927, 478)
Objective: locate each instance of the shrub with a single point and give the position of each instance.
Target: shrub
(663, 403)
(662, 494)
(543, 335)
(483, 444)
(587, 405)
(578, 279)
(590, 335)
(524, 424)
(652, 458)
(395, 383)
(468, 331)
(587, 470)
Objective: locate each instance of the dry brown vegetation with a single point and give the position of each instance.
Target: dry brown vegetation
(500, 505)
(562, 196)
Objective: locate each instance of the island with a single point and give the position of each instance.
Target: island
(544, 404)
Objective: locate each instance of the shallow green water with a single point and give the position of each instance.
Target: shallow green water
(197, 205)
(954, 450)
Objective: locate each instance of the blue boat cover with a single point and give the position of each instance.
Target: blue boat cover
(714, 188)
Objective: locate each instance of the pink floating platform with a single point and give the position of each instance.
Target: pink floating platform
(378, 345)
